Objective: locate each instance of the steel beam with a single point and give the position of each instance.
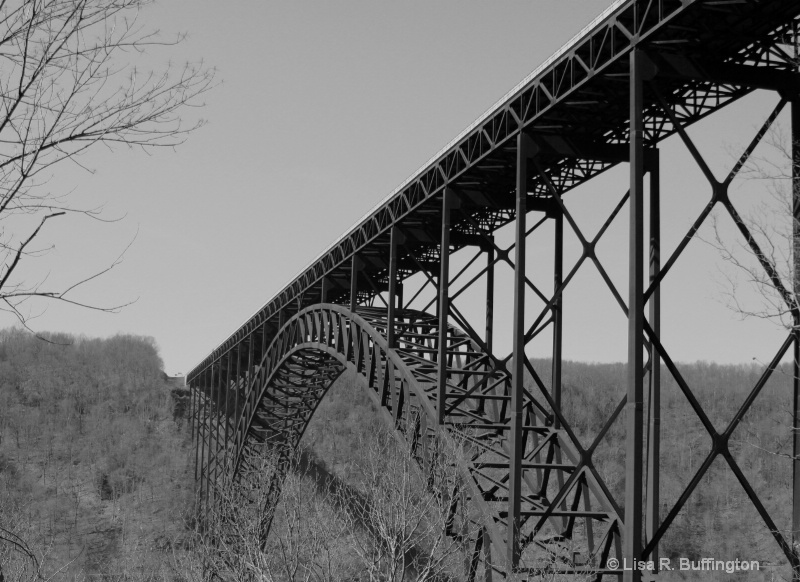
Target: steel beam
(557, 353)
(654, 411)
(216, 397)
(696, 69)
(224, 393)
(196, 435)
(192, 424)
(204, 448)
(355, 266)
(487, 556)
(213, 427)
(632, 531)
(251, 365)
(490, 295)
(489, 333)
(206, 455)
(191, 412)
(230, 419)
(449, 200)
(557, 310)
(398, 291)
(325, 289)
(395, 240)
(524, 149)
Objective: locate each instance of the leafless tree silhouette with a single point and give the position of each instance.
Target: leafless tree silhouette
(766, 259)
(69, 81)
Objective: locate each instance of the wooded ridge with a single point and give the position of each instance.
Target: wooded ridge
(97, 479)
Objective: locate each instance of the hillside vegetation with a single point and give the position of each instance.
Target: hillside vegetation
(96, 475)
(93, 463)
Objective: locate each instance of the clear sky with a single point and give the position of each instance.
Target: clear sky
(323, 108)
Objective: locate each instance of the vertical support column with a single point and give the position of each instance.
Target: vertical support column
(230, 420)
(489, 337)
(191, 426)
(232, 378)
(518, 356)
(632, 533)
(213, 425)
(222, 392)
(487, 557)
(281, 317)
(558, 306)
(191, 411)
(395, 239)
(490, 296)
(326, 289)
(355, 267)
(557, 311)
(213, 452)
(200, 452)
(796, 352)
(197, 387)
(211, 457)
(210, 435)
(448, 200)
(436, 303)
(265, 339)
(652, 518)
(399, 293)
(251, 364)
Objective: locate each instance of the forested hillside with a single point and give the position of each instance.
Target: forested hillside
(96, 474)
(93, 465)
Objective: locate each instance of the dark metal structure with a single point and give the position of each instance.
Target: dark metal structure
(643, 71)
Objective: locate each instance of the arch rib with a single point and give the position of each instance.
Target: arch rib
(320, 342)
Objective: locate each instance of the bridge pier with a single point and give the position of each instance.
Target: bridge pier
(653, 479)
(632, 533)
(449, 201)
(524, 152)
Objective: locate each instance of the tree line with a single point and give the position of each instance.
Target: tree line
(97, 475)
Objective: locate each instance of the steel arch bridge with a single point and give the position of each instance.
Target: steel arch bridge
(643, 71)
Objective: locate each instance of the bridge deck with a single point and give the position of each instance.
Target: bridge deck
(708, 54)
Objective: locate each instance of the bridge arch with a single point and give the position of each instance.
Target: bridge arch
(320, 342)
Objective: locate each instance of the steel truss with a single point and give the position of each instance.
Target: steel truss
(645, 72)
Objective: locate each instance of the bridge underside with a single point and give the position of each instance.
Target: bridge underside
(387, 301)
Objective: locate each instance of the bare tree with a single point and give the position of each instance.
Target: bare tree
(308, 540)
(387, 518)
(763, 254)
(19, 561)
(69, 81)
(403, 518)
